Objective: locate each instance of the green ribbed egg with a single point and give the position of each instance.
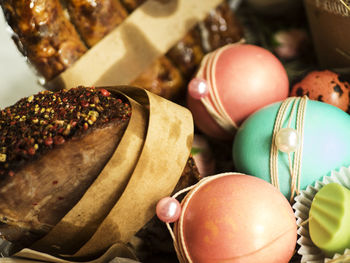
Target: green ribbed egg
(329, 224)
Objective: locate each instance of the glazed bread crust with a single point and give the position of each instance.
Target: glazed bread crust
(49, 36)
(161, 78)
(220, 28)
(44, 34)
(95, 19)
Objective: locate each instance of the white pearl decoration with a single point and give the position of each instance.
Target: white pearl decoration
(287, 140)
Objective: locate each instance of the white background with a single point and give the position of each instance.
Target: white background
(17, 80)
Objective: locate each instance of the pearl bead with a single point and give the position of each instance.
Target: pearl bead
(168, 209)
(198, 88)
(287, 140)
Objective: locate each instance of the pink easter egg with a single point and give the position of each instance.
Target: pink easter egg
(236, 218)
(246, 78)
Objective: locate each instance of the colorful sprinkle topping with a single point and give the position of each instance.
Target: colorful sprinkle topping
(41, 122)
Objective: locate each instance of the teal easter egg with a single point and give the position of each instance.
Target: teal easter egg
(325, 144)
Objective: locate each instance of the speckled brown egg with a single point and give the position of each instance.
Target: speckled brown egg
(324, 86)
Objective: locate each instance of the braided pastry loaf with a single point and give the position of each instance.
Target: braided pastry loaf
(53, 37)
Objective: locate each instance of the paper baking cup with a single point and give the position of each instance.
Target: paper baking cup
(308, 250)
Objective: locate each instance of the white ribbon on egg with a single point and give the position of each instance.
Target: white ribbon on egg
(212, 101)
(294, 167)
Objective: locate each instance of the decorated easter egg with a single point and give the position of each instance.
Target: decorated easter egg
(232, 83)
(235, 218)
(324, 86)
(315, 134)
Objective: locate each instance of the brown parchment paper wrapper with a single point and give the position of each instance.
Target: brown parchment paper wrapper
(145, 167)
(31, 256)
(329, 22)
(149, 32)
(308, 250)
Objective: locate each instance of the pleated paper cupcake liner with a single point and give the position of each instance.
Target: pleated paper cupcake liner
(308, 250)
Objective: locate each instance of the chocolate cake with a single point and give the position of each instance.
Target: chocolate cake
(53, 145)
